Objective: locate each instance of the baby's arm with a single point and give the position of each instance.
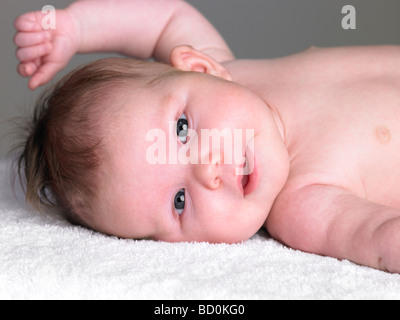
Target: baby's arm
(145, 28)
(137, 28)
(331, 221)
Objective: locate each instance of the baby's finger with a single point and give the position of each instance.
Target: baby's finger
(28, 22)
(26, 69)
(43, 75)
(31, 53)
(27, 39)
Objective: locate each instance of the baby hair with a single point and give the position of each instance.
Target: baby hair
(60, 164)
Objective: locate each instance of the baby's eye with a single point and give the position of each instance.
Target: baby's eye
(182, 128)
(179, 201)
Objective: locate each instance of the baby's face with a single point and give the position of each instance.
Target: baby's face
(182, 188)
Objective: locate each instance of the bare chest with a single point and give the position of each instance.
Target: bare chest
(349, 135)
(341, 112)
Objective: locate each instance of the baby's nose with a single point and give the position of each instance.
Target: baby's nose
(208, 175)
(208, 171)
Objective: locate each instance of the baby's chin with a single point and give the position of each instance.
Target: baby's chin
(242, 231)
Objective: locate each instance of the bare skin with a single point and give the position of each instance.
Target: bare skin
(337, 112)
(341, 112)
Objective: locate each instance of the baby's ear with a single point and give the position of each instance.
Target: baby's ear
(186, 58)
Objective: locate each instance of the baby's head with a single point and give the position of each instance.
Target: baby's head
(147, 150)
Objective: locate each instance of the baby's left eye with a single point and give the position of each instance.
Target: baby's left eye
(179, 201)
(182, 128)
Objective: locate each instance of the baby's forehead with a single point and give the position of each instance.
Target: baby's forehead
(130, 108)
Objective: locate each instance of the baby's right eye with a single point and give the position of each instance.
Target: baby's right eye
(179, 201)
(182, 128)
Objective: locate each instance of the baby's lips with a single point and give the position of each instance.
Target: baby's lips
(250, 160)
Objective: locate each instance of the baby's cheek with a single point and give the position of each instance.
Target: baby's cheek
(229, 224)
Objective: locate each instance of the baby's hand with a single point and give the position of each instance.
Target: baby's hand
(43, 53)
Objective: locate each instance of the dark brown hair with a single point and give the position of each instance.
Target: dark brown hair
(61, 158)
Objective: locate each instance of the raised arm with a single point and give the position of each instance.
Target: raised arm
(331, 221)
(145, 28)
(137, 28)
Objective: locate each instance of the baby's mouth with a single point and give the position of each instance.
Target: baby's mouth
(245, 177)
(249, 179)
(245, 181)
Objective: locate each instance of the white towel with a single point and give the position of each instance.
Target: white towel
(47, 258)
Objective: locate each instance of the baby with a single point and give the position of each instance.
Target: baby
(310, 142)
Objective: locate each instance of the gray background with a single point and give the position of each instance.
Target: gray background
(253, 28)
